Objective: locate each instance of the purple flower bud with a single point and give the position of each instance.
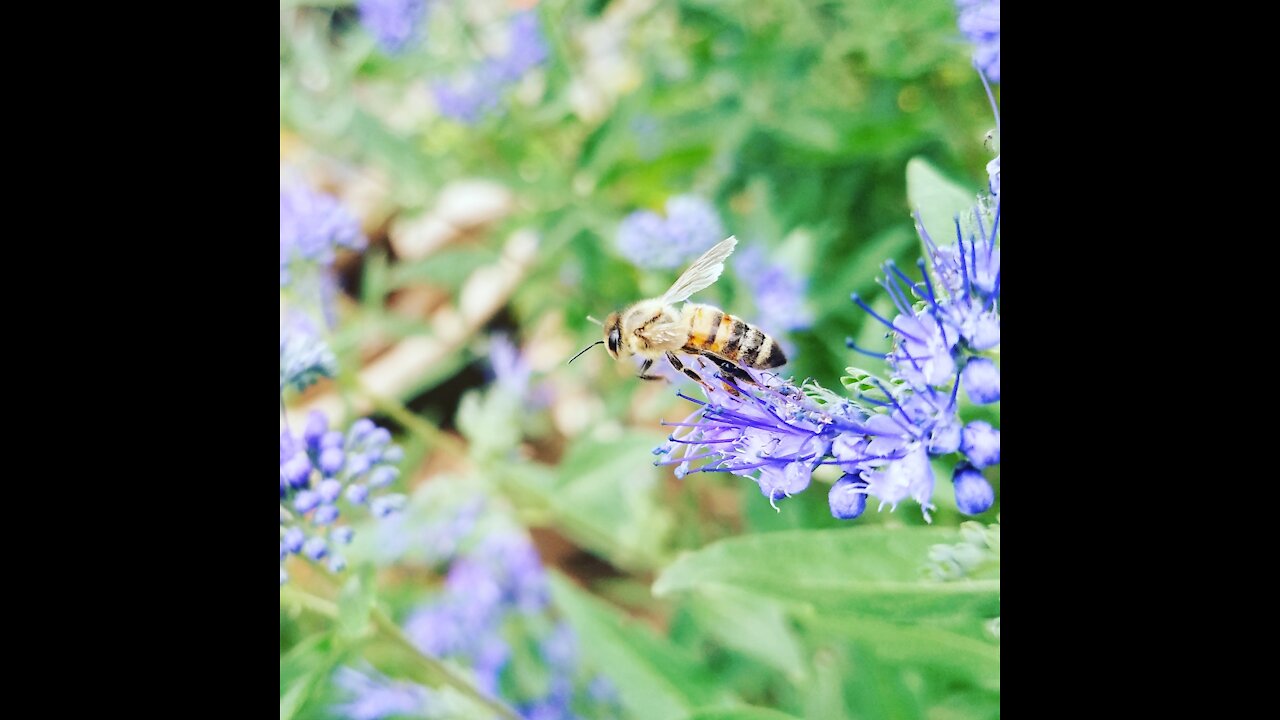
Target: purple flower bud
(384, 506)
(360, 428)
(333, 438)
(306, 501)
(357, 494)
(380, 437)
(981, 380)
(981, 444)
(393, 455)
(974, 494)
(342, 535)
(315, 548)
(293, 539)
(317, 426)
(331, 461)
(337, 563)
(296, 471)
(848, 497)
(325, 515)
(357, 465)
(329, 490)
(383, 476)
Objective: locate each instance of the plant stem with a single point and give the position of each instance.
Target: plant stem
(437, 673)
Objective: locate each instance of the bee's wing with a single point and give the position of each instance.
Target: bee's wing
(702, 272)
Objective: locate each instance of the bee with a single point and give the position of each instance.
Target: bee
(656, 327)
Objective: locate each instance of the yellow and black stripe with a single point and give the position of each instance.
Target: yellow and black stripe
(711, 330)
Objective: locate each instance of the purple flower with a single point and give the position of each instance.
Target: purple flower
(312, 227)
(777, 434)
(393, 23)
(525, 47)
(980, 22)
(655, 243)
(317, 470)
(468, 95)
(474, 91)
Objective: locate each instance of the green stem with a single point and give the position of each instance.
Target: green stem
(428, 433)
(437, 673)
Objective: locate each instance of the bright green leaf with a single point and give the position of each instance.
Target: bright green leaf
(655, 679)
(855, 571)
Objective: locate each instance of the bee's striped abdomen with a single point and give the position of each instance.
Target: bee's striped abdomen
(730, 338)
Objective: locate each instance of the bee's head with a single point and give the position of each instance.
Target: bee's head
(613, 334)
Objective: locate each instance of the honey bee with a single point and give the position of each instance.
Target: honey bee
(656, 327)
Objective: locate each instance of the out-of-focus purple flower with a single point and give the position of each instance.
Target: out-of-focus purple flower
(372, 696)
(526, 49)
(473, 92)
(490, 585)
(656, 243)
(317, 471)
(312, 227)
(393, 23)
(510, 369)
(304, 359)
(467, 95)
(779, 294)
(980, 22)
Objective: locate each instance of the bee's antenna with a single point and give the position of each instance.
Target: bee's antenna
(575, 357)
(596, 322)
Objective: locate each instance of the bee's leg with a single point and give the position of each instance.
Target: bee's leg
(731, 369)
(675, 363)
(644, 370)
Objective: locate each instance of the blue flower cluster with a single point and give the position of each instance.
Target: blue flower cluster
(980, 22)
(650, 241)
(946, 334)
(496, 582)
(324, 469)
(312, 227)
(393, 23)
(475, 91)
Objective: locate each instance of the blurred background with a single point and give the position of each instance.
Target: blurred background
(483, 176)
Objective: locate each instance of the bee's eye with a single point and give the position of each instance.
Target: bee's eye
(614, 338)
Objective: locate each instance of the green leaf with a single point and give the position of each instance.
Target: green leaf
(937, 198)
(355, 603)
(655, 679)
(853, 571)
(301, 670)
(918, 646)
(740, 713)
(754, 626)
